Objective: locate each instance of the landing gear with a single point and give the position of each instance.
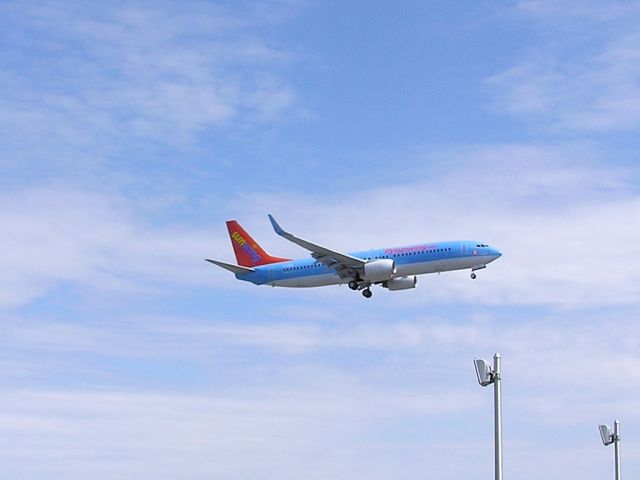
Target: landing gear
(367, 293)
(473, 270)
(353, 285)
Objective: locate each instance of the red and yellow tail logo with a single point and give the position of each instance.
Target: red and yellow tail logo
(248, 252)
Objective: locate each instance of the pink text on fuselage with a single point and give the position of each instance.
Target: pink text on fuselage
(413, 249)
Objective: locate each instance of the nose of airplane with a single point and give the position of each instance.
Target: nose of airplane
(496, 252)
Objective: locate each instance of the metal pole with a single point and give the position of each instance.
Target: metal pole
(497, 412)
(616, 444)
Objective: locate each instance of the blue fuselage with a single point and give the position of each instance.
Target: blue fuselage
(409, 260)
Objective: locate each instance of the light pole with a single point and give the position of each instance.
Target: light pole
(608, 438)
(486, 376)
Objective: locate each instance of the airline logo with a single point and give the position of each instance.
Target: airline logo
(250, 250)
(414, 249)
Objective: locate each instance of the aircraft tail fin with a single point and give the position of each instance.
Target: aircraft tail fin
(248, 252)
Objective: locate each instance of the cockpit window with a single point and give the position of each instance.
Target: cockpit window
(482, 245)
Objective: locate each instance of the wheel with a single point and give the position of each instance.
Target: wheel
(473, 276)
(367, 293)
(353, 285)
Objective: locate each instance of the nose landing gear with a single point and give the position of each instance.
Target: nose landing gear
(473, 271)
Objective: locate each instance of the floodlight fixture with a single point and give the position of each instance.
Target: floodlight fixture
(608, 437)
(605, 433)
(486, 376)
(484, 372)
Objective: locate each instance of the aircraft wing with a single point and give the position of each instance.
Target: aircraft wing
(342, 263)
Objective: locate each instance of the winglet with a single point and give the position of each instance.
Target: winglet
(317, 251)
(276, 227)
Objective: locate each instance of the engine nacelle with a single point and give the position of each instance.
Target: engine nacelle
(379, 270)
(402, 283)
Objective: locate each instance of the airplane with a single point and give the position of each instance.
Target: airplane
(394, 268)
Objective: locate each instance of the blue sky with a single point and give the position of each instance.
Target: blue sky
(132, 131)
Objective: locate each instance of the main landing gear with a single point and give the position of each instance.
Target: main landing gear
(355, 285)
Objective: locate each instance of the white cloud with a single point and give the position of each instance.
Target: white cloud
(564, 230)
(54, 236)
(557, 213)
(559, 366)
(315, 383)
(248, 435)
(583, 77)
(98, 80)
(415, 401)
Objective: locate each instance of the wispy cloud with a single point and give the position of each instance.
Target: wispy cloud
(84, 82)
(52, 236)
(551, 216)
(303, 407)
(505, 195)
(123, 354)
(567, 349)
(236, 435)
(583, 75)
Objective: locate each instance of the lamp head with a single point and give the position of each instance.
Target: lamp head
(605, 434)
(484, 372)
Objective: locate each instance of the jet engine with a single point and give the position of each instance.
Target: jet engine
(402, 283)
(379, 270)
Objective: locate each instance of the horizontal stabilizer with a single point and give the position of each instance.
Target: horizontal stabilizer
(231, 267)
